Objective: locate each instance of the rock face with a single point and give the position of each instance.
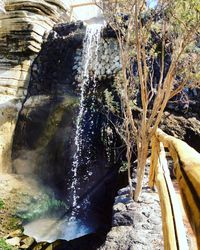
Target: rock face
(46, 123)
(22, 29)
(44, 139)
(25, 22)
(108, 57)
(183, 127)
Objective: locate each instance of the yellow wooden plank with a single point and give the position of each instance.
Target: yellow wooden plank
(169, 234)
(176, 210)
(190, 203)
(187, 171)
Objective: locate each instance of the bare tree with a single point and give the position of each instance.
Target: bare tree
(164, 36)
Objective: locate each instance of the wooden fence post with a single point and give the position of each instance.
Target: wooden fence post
(155, 150)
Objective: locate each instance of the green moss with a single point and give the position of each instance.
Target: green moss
(5, 246)
(13, 223)
(40, 208)
(1, 204)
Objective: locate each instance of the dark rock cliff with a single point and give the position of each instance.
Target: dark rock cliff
(44, 136)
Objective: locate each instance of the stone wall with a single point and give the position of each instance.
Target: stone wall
(108, 60)
(23, 26)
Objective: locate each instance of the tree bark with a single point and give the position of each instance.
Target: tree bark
(142, 157)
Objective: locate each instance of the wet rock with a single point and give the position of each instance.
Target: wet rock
(108, 60)
(64, 29)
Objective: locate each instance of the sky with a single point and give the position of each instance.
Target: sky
(88, 12)
(83, 13)
(152, 3)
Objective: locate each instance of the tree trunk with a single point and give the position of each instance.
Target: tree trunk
(129, 172)
(142, 157)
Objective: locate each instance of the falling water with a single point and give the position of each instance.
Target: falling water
(72, 227)
(89, 61)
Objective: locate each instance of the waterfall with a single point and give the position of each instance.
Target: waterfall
(82, 156)
(74, 226)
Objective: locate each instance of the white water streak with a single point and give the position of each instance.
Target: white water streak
(89, 60)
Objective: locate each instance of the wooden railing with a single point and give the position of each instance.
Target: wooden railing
(186, 164)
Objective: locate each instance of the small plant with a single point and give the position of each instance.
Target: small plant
(1, 204)
(124, 167)
(5, 246)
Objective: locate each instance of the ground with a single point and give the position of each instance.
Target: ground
(135, 225)
(22, 198)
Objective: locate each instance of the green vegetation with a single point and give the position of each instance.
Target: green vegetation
(5, 246)
(1, 204)
(40, 208)
(13, 223)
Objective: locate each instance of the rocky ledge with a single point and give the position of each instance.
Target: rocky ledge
(25, 22)
(23, 25)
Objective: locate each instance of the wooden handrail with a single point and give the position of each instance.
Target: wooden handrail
(187, 172)
(82, 4)
(173, 227)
